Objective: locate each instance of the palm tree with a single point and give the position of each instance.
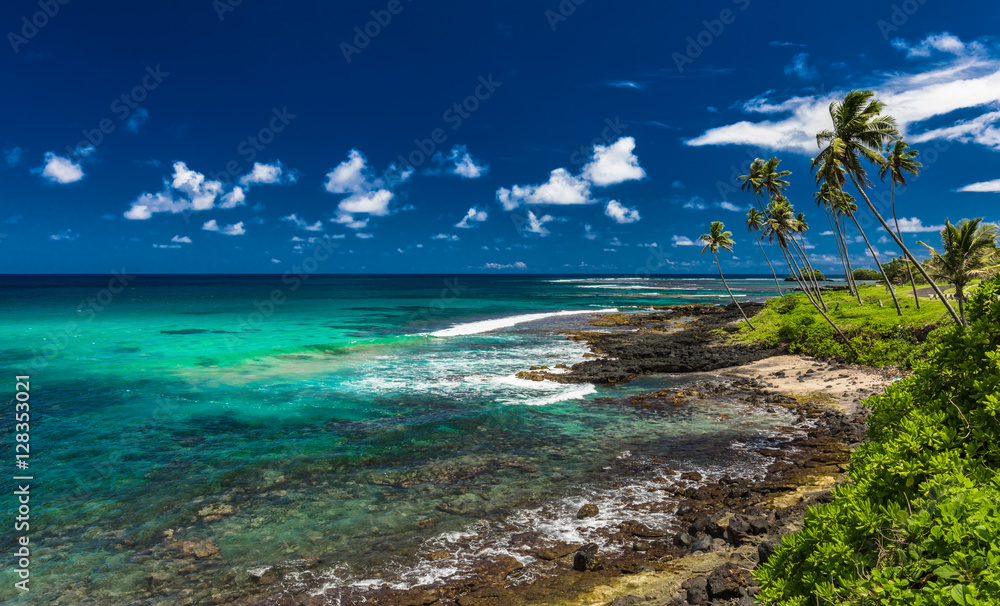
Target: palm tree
(824, 199)
(859, 131)
(755, 223)
(843, 205)
(753, 182)
(780, 225)
(898, 158)
(832, 162)
(715, 239)
(771, 177)
(969, 252)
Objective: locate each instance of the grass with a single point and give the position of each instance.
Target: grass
(878, 335)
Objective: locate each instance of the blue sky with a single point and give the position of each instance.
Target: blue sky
(403, 136)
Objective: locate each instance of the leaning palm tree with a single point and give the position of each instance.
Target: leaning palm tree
(859, 132)
(715, 239)
(824, 199)
(898, 158)
(755, 223)
(832, 168)
(780, 225)
(771, 177)
(753, 181)
(970, 251)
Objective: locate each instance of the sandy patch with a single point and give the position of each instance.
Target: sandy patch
(838, 386)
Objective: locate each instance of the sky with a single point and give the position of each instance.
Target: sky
(398, 136)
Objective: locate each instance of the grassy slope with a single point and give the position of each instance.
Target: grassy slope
(878, 334)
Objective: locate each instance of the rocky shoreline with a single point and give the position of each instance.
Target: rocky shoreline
(722, 527)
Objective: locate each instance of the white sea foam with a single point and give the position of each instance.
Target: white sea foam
(475, 328)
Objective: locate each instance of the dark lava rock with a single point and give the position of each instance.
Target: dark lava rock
(697, 591)
(626, 601)
(693, 476)
(739, 529)
(764, 551)
(641, 546)
(587, 559)
(553, 553)
(726, 581)
(702, 543)
(759, 524)
(587, 511)
(683, 539)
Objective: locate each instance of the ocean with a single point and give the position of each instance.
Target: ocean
(363, 420)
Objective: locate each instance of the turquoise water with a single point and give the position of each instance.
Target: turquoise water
(361, 420)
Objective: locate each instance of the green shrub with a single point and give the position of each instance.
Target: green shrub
(866, 274)
(918, 523)
(816, 275)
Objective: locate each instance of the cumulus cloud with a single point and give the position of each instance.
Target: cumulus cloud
(609, 165)
(459, 162)
(916, 226)
(229, 230)
(137, 120)
(588, 233)
(56, 169)
(187, 190)
(536, 225)
(729, 206)
(695, 203)
(301, 223)
(449, 237)
(364, 236)
(368, 194)
(474, 215)
(983, 187)
(517, 265)
(276, 261)
(968, 78)
(613, 164)
(800, 67)
(268, 174)
(180, 240)
(13, 156)
(66, 234)
(620, 213)
(561, 188)
(682, 241)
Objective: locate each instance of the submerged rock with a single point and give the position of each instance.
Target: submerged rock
(587, 559)
(587, 511)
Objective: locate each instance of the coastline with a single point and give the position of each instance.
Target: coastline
(722, 526)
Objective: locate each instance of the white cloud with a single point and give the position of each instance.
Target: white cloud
(188, 190)
(235, 198)
(462, 163)
(474, 215)
(180, 240)
(968, 78)
(561, 188)
(984, 187)
(449, 237)
(915, 226)
(682, 241)
(536, 225)
(57, 169)
(276, 261)
(826, 233)
(229, 230)
(166, 246)
(302, 223)
(800, 67)
(368, 194)
(268, 174)
(66, 234)
(13, 156)
(137, 120)
(620, 213)
(729, 206)
(609, 165)
(364, 236)
(695, 203)
(588, 233)
(517, 265)
(613, 164)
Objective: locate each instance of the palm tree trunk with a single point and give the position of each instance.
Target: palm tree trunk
(877, 264)
(913, 282)
(797, 272)
(906, 251)
(812, 272)
(840, 251)
(761, 245)
(731, 296)
(847, 259)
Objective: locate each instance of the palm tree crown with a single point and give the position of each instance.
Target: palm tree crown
(899, 157)
(969, 252)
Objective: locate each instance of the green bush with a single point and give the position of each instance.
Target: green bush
(918, 523)
(816, 275)
(866, 274)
